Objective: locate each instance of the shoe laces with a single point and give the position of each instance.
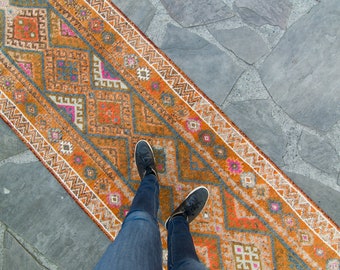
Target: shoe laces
(192, 206)
(147, 161)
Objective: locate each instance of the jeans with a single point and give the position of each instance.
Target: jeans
(138, 244)
(182, 254)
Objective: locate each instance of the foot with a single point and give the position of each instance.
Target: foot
(145, 159)
(192, 205)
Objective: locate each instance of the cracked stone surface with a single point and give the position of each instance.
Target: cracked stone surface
(197, 12)
(16, 257)
(302, 73)
(260, 12)
(319, 153)
(17, 253)
(243, 41)
(286, 101)
(248, 87)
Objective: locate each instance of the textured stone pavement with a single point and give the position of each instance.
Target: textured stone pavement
(272, 66)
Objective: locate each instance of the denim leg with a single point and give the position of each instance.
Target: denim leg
(182, 253)
(147, 196)
(138, 244)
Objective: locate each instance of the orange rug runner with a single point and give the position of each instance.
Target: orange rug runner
(80, 85)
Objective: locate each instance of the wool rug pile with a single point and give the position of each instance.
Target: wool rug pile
(80, 85)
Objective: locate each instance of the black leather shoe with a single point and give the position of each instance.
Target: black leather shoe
(145, 159)
(192, 205)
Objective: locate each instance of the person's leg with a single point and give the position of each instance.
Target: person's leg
(138, 244)
(147, 196)
(181, 249)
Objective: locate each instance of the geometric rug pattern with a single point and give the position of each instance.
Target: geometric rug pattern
(80, 85)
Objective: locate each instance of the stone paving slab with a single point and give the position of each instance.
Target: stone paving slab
(18, 254)
(261, 12)
(10, 145)
(12, 251)
(242, 41)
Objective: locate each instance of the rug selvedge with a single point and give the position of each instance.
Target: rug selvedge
(81, 85)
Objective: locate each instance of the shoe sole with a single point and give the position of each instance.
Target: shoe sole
(188, 197)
